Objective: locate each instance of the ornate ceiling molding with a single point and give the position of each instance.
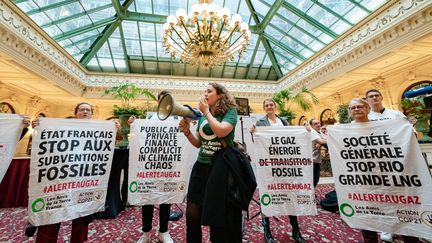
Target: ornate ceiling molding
(403, 21)
(189, 91)
(25, 42)
(26, 46)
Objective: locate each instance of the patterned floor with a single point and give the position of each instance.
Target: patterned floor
(324, 227)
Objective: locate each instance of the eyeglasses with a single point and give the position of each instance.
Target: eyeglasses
(373, 95)
(269, 105)
(358, 107)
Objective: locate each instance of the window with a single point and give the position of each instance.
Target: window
(302, 120)
(327, 117)
(6, 108)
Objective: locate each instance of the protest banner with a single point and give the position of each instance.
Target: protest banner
(160, 162)
(381, 178)
(10, 131)
(69, 169)
(283, 157)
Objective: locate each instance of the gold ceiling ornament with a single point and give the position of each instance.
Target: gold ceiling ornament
(207, 36)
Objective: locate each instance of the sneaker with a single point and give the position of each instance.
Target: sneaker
(165, 237)
(145, 238)
(175, 215)
(386, 237)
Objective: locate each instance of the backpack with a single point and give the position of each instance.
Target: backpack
(330, 202)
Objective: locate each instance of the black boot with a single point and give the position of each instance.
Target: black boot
(30, 230)
(267, 233)
(296, 235)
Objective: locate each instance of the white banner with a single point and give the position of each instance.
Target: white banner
(160, 162)
(69, 169)
(10, 131)
(381, 178)
(283, 157)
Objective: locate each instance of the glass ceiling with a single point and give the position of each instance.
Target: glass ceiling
(124, 35)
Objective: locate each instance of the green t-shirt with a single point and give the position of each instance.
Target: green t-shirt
(210, 143)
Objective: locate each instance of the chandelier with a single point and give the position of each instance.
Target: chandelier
(207, 36)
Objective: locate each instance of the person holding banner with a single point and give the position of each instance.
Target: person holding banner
(378, 113)
(271, 119)
(25, 124)
(49, 233)
(215, 128)
(318, 141)
(11, 125)
(359, 110)
(147, 210)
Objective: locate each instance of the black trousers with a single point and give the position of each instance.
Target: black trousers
(147, 217)
(316, 173)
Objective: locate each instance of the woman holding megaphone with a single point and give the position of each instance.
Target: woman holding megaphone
(214, 128)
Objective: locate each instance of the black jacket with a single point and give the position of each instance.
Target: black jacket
(231, 183)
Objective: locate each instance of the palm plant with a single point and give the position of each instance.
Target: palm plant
(285, 99)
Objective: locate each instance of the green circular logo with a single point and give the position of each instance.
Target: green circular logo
(38, 205)
(265, 199)
(133, 187)
(347, 209)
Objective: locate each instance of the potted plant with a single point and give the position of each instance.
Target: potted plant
(343, 114)
(127, 93)
(415, 107)
(285, 98)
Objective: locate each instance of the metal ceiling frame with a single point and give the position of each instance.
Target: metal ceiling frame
(81, 41)
(332, 12)
(84, 29)
(310, 20)
(295, 25)
(264, 41)
(122, 39)
(107, 32)
(300, 29)
(51, 6)
(285, 48)
(73, 16)
(360, 6)
(272, 11)
(292, 37)
(111, 23)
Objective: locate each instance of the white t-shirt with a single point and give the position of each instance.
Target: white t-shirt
(386, 115)
(316, 152)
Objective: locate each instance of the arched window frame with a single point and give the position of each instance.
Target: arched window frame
(302, 120)
(6, 108)
(327, 112)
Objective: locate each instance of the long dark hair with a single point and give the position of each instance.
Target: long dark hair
(225, 101)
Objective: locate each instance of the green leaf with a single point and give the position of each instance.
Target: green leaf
(128, 93)
(285, 99)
